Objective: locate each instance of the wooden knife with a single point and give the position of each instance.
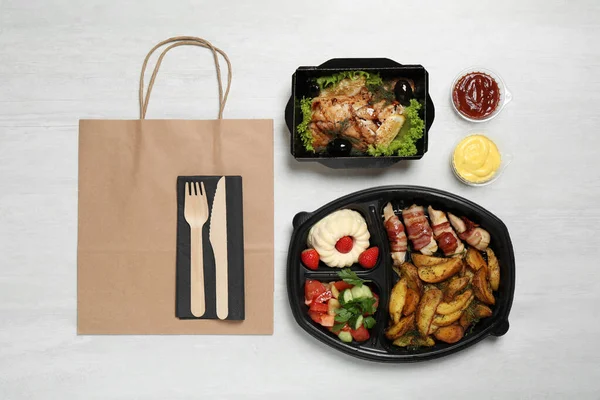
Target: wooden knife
(218, 240)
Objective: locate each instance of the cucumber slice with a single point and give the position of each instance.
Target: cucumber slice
(366, 291)
(357, 292)
(356, 323)
(346, 296)
(345, 337)
(361, 292)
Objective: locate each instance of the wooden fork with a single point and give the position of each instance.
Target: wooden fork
(195, 211)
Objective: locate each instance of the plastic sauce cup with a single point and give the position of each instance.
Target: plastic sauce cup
(505, 159)
(505, 95)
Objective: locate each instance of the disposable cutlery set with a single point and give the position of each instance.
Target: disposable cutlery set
(198, 211)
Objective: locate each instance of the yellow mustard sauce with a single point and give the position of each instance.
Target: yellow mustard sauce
(476, 159)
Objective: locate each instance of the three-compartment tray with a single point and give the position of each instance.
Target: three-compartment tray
(370, 204)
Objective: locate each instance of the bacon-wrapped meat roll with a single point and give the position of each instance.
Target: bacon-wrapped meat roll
(444, 234)
(470, 232)
(419, 231)
(396, 235)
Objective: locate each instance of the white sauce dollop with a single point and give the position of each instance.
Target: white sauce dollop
(324, 235)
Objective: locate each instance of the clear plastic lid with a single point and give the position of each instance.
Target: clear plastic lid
(505, 95)
(503, 148)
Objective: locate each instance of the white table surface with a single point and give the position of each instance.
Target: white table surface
(63, 60)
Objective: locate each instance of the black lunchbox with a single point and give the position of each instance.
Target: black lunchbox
(301, 81)
(370, 204)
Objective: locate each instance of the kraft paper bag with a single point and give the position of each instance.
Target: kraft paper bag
(126, 255)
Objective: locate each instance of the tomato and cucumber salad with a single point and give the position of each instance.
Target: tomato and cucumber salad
(346, 307)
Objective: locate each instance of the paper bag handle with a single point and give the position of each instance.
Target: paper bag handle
(176, 42)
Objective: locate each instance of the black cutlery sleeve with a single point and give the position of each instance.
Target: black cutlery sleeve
(235, 250)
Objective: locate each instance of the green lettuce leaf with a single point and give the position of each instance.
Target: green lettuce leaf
(371, 79)
(302, 128)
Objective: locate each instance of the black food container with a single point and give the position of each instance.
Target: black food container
(370, 204)
(301, 82)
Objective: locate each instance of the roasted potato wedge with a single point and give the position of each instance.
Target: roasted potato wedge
(421, 260)
(410, 272)
(397, 300)
(469, 274)
(426, 310)
(400, 328)
(440, 272)
(443, 285)
(403, 341)
(482, 311)
(493, 269)
(426, 341)
(411, 303)
(432, 328)
(450, 334)
(461, 302)
(429, 286)
(418, 341)
(445, 320)
(482, 288)
(475, 259)
(454, 287)
(474, 313)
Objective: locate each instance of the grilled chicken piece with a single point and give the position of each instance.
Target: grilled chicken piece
(320, 139)
(335, 116)
(444, 234)
(396, 235)
(346, 111)
(470, 232)
(332, 109)
(384, 110)
(364, 111)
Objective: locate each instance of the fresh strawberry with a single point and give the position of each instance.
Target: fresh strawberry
(344, 245)
(368, 258)
(310, 258)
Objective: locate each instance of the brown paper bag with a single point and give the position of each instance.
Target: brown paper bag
(127, 214)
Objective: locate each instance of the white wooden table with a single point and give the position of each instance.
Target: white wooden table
(63, 60)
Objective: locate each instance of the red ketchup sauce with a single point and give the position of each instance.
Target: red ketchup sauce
(476, 95)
